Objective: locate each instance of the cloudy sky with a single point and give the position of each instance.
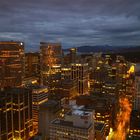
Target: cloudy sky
(71, 22)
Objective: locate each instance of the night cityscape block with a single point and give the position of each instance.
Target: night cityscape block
(77, 124)
(16, 114)
(11, 64)
(32, 66)
(80, 73)
(47, 113)
(70, 70)
(50, 61)
(6, 116)
(73, 55)
(39, 96)
(51, 94)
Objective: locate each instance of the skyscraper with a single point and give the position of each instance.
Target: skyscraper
(6, 117)
(80, 73)
(32, 67)
(16, 114)
(22, 112)
(39, 96)
(73, 53)
(137, 92)
(51, 56)
(11, 64)
(48, 112)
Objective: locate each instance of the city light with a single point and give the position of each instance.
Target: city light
(122, 123)
(131, 70)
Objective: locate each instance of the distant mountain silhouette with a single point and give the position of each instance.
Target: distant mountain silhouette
(108, 48)
(131, 53)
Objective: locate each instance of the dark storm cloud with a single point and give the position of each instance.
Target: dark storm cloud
(72, 22)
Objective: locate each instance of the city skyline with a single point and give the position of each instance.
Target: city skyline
(49, 94)
(73, 23)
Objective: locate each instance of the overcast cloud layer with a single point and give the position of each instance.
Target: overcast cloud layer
(71, 22)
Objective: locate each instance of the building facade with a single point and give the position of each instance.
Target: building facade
(6, 117)
(80, 74)
(51, 59)
(39, 96)
(11, 64)
(16, 113)
(76, 125)
(32, 64)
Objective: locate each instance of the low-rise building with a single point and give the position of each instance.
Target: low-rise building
(76, 125)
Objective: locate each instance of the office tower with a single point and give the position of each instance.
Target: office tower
(39, 96)
(97, 78)
(48, 111)
(137, 92)
(6, 117)
(68, 85)
(80, 74)
(109, 83)
(32, 64)
(77, 124)
(109, 87)
(130, 83)
(11, 64)
(17, 116)
(68, 88)
(54, 79)
(22, 113)
(72, 55)
(51, 56)
(27, 82)
(66, 73)
(121, 72)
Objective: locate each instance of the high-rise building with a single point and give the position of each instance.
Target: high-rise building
(32, 65)
(22, 113)
(48, 112)
(81, 75)
(137, 92)
(66, 73)
(6, 117)
(39, 96)
(77, 124)
(51, 55)
(16, 113)
(11, 64)
(69, 88)
(73, 53)
(97, 79)
(121, 72)
(51, 58)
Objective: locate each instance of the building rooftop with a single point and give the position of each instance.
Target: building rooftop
(79, 113)
(97, 103)
(12, 45)
(15, 90)
(69, 124)
(49, 105)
